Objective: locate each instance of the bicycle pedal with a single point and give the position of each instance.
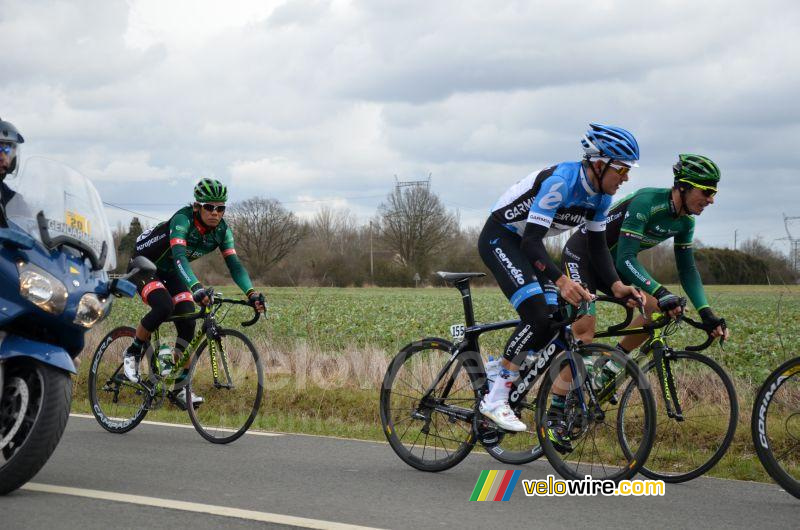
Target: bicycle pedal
(614, 400)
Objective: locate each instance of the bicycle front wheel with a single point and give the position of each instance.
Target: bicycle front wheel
(118, 405)
(230, 380)
(688, 445)
(775, 425)
(590, 435)
(430, 432)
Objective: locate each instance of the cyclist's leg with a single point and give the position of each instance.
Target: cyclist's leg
(183, 304)
(500, 251)
(155, 295)
(577, 266)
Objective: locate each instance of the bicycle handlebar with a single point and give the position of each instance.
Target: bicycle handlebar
(660, 323)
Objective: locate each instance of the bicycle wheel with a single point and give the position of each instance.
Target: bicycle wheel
(118, 404)
(592, 429)
(775, 425)
(231, 383)
(686, 448)
(435, 433)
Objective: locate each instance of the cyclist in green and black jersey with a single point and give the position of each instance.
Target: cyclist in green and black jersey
(192, 232)
(640, 221)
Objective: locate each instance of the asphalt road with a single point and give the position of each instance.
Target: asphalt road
(159, 476)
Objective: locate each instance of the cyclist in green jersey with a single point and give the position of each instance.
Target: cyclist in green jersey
(640, 221)
(192, 232)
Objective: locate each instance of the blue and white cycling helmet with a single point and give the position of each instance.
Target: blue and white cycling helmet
(606, 141)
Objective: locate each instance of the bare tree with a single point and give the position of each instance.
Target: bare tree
(265, 232)
(413, 222)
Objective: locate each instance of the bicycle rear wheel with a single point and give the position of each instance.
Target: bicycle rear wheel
(231, 383)
(686, 448)
(118, 405)
(775, 425)
(593, 430)
(435, 433)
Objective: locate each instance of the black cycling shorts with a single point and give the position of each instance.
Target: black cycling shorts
(500, 250)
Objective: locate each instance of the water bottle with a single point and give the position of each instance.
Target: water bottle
(608, 372)
(165, 359)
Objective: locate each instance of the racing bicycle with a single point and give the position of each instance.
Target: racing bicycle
(225, 371)
(432, 388)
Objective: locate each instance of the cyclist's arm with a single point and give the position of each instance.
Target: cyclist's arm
(178, 229)
(630, 243)
(540, 217)
(237, 270)
(599, 254)
(687, 269)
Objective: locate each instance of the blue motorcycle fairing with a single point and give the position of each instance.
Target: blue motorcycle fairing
(12, 346)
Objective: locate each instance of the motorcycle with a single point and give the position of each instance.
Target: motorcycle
(56, 247)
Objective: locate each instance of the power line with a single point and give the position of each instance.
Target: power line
(130, 211)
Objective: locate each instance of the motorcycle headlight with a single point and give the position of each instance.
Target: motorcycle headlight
(42, 288)
(91, 310)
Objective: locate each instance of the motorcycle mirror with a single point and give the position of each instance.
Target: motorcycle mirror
(143, 264)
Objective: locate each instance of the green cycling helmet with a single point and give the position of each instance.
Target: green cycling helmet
(696, 170)
(210, 190)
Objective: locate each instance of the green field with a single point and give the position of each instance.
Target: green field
(326, 350)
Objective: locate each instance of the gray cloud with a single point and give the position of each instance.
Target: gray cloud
(315, 100)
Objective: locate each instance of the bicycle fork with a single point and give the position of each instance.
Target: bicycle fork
(661, 359)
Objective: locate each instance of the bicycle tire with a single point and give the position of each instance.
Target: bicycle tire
(107, 377)
(218, 419)
(765, 431)
(400, 412)
(670, 466)
(608, 457)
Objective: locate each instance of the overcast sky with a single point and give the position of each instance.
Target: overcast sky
(322, 103)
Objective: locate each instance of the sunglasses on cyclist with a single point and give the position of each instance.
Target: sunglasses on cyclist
(622, 169)
(7, 148)
(708, 191)
(212, 207)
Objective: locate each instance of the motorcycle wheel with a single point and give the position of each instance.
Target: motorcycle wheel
(34, 408)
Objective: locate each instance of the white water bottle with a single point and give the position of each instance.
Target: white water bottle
(165, 359)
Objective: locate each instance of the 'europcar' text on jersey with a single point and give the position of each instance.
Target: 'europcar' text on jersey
(559, 197)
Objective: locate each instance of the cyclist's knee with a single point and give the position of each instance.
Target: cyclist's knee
(584, 328)
(533, 331)
(160, 303)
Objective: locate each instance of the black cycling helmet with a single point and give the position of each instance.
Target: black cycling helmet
(10, 138)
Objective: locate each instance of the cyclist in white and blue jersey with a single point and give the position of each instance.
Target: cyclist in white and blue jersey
(511, 244)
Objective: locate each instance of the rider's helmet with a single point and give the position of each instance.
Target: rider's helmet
(606, 141)
(210, 190)
(695, 170)
(10, 138)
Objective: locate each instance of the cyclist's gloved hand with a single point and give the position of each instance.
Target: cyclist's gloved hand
(669, 303)
(713, 324)
(257, 301)
(200, 294)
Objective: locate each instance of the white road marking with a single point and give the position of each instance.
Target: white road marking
(182, 425)
(211, 509)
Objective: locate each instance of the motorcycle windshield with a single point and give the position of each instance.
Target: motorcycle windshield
(58, 206)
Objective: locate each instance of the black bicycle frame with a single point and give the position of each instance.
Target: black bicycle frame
(528, 373)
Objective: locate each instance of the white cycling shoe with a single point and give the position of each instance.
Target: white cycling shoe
(500, 413)
(180, 397)
(131, 366)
